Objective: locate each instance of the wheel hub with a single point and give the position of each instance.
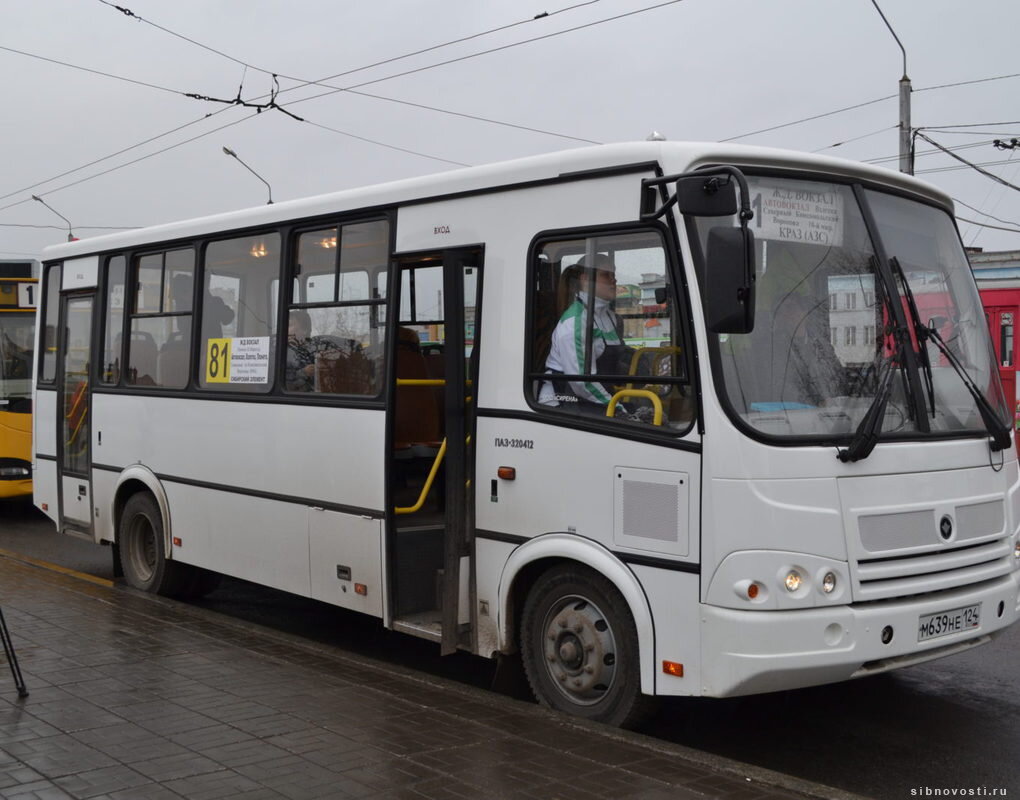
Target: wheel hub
(580, 649)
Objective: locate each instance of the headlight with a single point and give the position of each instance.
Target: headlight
(829, 582)
(792, 581)
(15, 472)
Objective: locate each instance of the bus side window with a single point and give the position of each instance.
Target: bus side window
(605, 331)
(237, 342)
(159, 337)
(113, 322)
(335, 325)
(48, 334)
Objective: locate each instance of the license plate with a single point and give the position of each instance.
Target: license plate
(943, 623)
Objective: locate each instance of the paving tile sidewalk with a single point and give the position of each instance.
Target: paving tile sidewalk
(137, 697)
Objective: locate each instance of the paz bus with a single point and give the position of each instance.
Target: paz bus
(18, 279)
(791, 479)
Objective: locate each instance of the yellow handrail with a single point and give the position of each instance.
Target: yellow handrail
(421, 382)
(635, 359)
(428, 484)
(656, 402)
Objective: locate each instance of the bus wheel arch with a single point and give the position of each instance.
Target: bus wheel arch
(141, 514)
(560, 580)
(137, 479)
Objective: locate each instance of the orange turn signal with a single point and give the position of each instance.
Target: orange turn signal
(672, 668)
(177, 541)
(360, 588)
(507, 473)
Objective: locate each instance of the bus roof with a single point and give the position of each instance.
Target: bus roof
(672, 157)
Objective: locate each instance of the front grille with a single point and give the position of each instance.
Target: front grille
(931, 571)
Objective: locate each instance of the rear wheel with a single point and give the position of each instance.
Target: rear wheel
(143, 551)
(580, 648)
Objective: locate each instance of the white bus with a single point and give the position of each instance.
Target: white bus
(749, 464)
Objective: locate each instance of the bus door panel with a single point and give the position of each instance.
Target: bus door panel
(74, 420)
(432, 458)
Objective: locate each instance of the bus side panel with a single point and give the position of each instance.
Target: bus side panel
(567, 480)
(310, 455)
(345, 560)
(45, 488)
(256, 539)
(242, 507)
(104, 487)
(676, 614)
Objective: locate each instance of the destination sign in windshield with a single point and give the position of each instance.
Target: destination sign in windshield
(786, 211)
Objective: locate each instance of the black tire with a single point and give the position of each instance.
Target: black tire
(580, 648)
(143, 552)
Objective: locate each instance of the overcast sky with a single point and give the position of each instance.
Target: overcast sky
(692, 69)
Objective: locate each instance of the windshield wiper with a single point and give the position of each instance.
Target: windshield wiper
(866, 435)
(919, 331)
(998, 429)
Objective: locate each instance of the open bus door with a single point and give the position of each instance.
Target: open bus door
(1001, 320)
(432, 423)
(74, 456)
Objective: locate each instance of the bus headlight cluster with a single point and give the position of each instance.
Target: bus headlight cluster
(14, 473)
(773, 580)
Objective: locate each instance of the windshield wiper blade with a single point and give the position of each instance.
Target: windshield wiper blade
(920, 331)
(866, 435)
(998, 429)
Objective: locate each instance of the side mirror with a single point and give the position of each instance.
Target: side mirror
(706, 196)
(729, 280)
(661, 296)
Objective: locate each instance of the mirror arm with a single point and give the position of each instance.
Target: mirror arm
(712, 184)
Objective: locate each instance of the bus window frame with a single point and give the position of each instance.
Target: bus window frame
(684, 335)
(380, 304)
(132, 268)
(50, 312)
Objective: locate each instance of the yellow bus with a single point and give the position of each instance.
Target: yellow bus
(18, 288)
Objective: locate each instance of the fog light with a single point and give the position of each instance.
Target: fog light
(792, 580)
(829, 582)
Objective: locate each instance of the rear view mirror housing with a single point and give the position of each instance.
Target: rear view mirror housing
(729, 280)
(706, 196)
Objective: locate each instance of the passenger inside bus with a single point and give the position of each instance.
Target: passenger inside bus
(301, 351)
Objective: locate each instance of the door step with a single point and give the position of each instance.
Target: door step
(423, 624)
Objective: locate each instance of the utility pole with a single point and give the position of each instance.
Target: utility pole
(906, 134)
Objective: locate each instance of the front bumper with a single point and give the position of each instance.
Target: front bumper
(750, 652)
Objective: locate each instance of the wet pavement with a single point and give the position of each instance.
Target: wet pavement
(135, 697)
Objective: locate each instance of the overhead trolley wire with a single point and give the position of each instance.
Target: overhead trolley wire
(134, 161)
(325, 127)
(983, 213)
(302, 82)
(977, 167)
(92, 71)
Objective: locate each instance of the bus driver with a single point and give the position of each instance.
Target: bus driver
(570, 340)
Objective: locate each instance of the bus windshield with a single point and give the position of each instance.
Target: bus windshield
(826, 341)
(16, 348)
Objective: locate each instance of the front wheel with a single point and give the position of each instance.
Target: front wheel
(580, 648)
